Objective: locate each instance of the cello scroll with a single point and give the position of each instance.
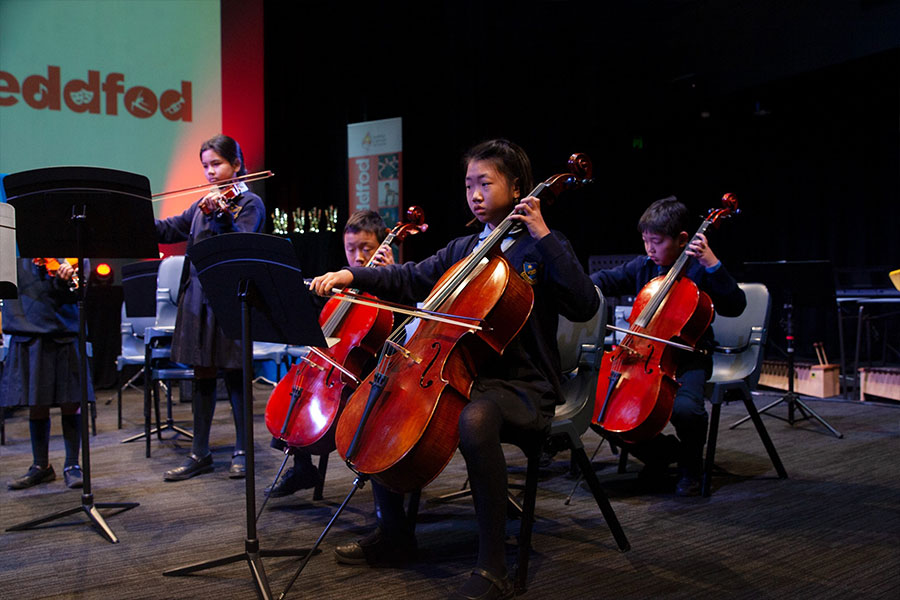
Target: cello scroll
(580, 174)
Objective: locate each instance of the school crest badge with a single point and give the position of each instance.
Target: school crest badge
(530, 272)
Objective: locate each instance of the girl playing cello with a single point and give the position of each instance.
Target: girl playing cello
(518, 390)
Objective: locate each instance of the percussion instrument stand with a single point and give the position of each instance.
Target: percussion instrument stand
(793, 400)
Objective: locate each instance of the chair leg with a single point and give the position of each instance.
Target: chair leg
(527, 523)
(463, 492)
(764, 436)
(412, 509)
(602, 501)
(323, 468)
(623, 460)
(156, 407)
(710, 449)
(122, 388)
(148, 381)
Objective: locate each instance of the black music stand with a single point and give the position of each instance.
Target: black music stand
(94, 212)
(804, 283)
(256, 290)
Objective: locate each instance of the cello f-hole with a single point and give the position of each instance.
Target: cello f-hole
(437, 351)
(647, 368)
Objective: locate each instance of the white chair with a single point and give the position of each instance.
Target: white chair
(736, 366)
(132, 352)
(157, 352)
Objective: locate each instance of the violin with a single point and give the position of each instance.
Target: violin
(304, 406)
(225, 199)
(52, 265)
(636, 385)
(401, 426)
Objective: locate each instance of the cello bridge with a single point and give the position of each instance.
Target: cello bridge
(312, 364)
(406, 353)
(634, 353)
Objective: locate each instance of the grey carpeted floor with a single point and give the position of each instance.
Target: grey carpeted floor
(832, 530)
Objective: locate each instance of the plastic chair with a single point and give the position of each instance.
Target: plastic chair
(278, 353)
(132, 353)
(580, 348)
(736, 366)
(158, 351)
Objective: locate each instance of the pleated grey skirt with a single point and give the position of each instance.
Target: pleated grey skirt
(42, 371)
(198, 340)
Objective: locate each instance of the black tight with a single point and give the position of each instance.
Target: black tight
(479, 442)
(205, 406)
(479, 428)
(39, 426)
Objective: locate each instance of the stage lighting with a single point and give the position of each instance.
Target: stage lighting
(102, 274)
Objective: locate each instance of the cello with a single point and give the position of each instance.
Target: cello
(303, 408)
(636, 385)
(401, 426)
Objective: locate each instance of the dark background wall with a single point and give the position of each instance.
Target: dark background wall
(792, 106)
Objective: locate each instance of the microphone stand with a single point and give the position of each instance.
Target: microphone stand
(793, 400)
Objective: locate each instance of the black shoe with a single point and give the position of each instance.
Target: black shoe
(34, 476)
(238, 468)
(293, 480)
(688, 486)
(378, 549)
(654, 478)
(484, 585)
(73, 477)
(546, 459)
(192, 466)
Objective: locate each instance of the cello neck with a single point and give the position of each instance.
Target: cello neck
(340, 312)
(472, 261)
(671, 277)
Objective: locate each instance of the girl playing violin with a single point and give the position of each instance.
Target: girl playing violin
(41, 368)
(516, 392)
(663, 228)
(198, 340)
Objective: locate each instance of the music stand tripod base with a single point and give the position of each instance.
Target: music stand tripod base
(90, 509)
(253, 278)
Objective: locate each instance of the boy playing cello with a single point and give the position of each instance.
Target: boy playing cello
(663, 228)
